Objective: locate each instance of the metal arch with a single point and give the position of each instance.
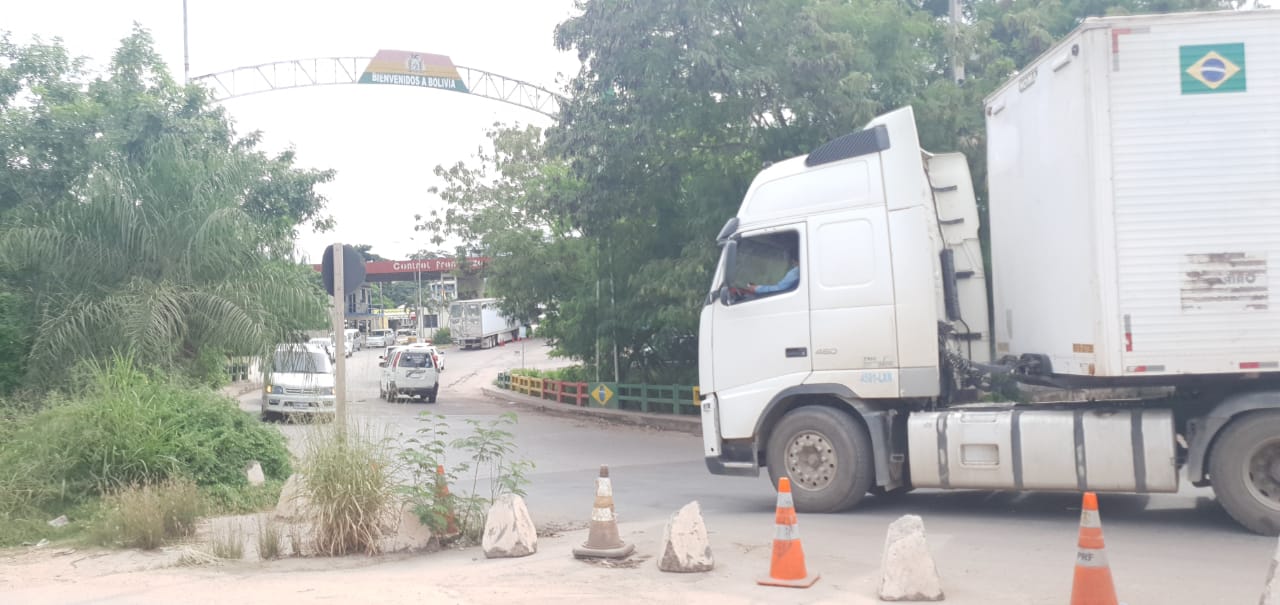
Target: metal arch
(327, 71)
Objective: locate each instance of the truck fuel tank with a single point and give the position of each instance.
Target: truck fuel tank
(1128, 449)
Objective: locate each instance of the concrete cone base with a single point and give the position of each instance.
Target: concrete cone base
(804, 582)
(621, 552)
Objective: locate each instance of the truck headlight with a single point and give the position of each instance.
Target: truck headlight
(275, 390)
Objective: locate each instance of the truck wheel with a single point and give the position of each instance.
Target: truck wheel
(827, 456)
(393, 395)
(1244, 467)
(431, 397)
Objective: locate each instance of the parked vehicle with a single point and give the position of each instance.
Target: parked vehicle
(380, 338)
(1134, 192)
(300, 381)
(478, 323)
(353, 336)
(410, 372)
(406, 336)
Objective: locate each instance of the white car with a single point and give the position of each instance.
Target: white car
(300, 382)
(380, 338)
(409, 371)
(404, 337)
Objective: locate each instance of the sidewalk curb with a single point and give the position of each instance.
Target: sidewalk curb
(683, 424)
(236, 390)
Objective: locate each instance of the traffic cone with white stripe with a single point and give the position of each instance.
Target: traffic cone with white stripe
(603, 541)
(1092, 584)
(787, 567)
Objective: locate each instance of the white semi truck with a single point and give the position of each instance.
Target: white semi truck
(1134, 179)
(479, 323)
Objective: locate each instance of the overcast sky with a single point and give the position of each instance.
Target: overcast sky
(383, 140)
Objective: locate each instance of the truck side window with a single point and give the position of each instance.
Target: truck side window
(767, 264)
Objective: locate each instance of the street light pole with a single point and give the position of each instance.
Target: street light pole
(186, 54)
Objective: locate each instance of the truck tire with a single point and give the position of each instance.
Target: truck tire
(826, 454)
(1244, 467)
(431, 397)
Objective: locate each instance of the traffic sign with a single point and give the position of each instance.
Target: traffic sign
(352, 269)
(601, 393)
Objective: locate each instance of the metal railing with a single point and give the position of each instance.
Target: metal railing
(645, 398)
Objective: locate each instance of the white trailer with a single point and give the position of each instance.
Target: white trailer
(1134, 182)
(479, 323)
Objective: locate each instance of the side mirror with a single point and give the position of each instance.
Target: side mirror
(726, 297)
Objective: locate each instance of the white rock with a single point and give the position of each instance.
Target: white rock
(509, 530)
(410, 534)
(254, 473)
(293, 501)
(685, 546)
(907, 572)
(1271, 593)
(59, 522)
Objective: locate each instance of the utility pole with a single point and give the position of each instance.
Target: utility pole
(186, 54)
(339, 342)
(957, 61)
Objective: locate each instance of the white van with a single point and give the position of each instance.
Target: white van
(410, 372)
(380, 338)
(300, 382)
(352, 336)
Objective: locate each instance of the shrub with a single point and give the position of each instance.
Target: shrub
(567, 374)
(148, 516)
(127, 429)
(491, 453)
(442, 337)
(349, 482)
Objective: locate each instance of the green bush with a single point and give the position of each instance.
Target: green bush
(569, 374)
(128, 429)
(442, 337)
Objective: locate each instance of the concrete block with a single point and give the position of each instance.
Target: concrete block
(253, 473)
(508, 529)
(410, 533)
(293, 502)
(685, 545)
(907, 569)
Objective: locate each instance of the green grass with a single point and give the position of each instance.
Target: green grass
(569, 374)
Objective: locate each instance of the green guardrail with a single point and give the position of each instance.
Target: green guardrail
(680, 400)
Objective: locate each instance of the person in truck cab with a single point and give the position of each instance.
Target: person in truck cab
(788, 281)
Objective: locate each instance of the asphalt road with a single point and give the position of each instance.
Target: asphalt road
(990, 547)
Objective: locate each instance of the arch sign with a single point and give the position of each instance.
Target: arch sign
(408, 68)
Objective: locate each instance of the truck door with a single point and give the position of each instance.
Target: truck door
(761, 330)
(851, 296)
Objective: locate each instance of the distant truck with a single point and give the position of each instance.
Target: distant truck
(479, 324)
(1134, 214)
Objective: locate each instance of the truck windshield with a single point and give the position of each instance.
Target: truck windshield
(300, 362)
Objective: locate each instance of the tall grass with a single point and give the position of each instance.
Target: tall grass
(349, 482)
(148, 516)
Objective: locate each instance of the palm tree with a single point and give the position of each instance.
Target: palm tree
(157, 259)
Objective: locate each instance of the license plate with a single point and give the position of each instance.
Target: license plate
(299, 404)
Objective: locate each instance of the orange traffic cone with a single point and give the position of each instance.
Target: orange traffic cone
(442, 495)
(1093, 584)
(787, 567)
(603, 541)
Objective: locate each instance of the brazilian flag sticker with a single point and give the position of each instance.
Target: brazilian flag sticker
(1210, 68)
